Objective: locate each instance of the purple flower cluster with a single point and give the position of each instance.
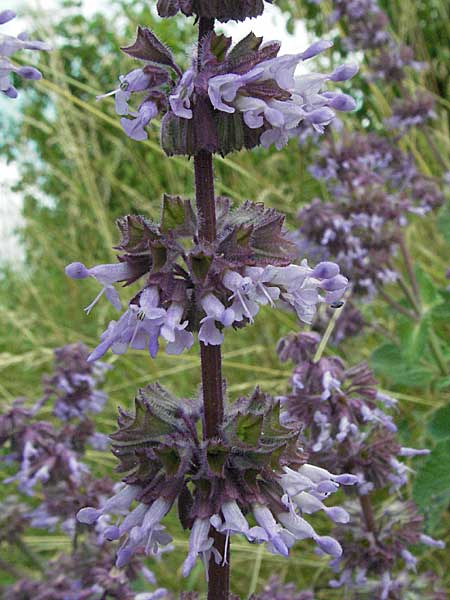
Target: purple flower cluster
(347, 429)
(375, 186)
(87, 574)
(412, 112)
(229, 97)
(226, 282)
(346, 426)
(72, 388)
(379, 564)
(255, 474)
(275, 590)
(9, 45)
(366, 23)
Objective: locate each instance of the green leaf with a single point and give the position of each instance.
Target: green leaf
(413, 337)
(439, 425)
(431, 490)
(428, 291)
(136, 234)
(156, 415)
(443, 221)
(247, 45)
(441, 311)
(177, 215)
(388, 361)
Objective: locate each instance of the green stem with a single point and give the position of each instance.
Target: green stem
(395, 305)
(327, 334)
(409, 268)
(437, 353)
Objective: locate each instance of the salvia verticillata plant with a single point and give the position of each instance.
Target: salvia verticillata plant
(231, 468)
(256, 466)
(9, 45)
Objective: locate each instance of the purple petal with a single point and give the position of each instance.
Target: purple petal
(11, 92)
(88, 515)
(344, 72)
(123, 557)
(346, 479)
(6, 16)
(329, 545)
(320, 115)
(343, 103)
(325, 270)
(316, 49)
(76, 270)
(335, 283)
(29, 73)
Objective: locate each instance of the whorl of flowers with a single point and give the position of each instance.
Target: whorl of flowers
(366, 23)
(275, 590)
(254, 470)
(375, 186)
(9, 45)
(226, 282)
(346, 427)
(222, 10)
(412, 112)
(72, 388)
(86, 574)
(230, 97)
(378, 563)
(46, 455)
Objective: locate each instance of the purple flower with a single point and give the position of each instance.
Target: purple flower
(200, 544)
(73, 386)
(216, 312)
(8, 46)
(138, 328)
(293, 99)
(135, 127)
(180, 100)
(106, 275)
(174, 331)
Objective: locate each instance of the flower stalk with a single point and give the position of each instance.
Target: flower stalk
(211, 358)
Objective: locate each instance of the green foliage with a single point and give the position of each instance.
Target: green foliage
(431, 489)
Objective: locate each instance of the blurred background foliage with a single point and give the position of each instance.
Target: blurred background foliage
(88, 173)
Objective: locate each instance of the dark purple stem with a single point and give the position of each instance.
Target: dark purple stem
(369, 518)
(211, 359)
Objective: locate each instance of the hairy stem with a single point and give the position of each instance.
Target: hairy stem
(327, 334)
(211, 360)
(409, 268)
(437, 353)
(396, 305)
(366, 506)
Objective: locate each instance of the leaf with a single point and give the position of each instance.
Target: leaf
(156, 415)
(177, 215)
(439, 425)
(441, 310)
(268, 242)
(250, 43)
(431, 490)
(428, 291)
(388, 361)
(147, 47)
(137, 233)
(413, 337)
